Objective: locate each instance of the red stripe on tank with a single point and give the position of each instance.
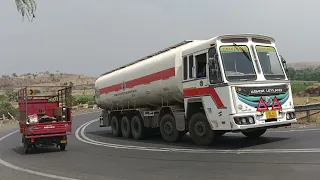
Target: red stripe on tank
(161, 75)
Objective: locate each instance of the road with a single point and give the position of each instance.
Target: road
(94, 154)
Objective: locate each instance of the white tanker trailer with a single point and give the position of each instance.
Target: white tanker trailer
(229, 83)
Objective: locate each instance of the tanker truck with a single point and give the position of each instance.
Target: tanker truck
(229, 83)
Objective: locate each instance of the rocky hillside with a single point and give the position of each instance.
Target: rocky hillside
(44, 79)
(302, 65)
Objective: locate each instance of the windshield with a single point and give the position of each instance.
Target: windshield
(237, 65)
(270, 63)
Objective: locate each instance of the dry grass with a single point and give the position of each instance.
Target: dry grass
(301, 65)
(301, 116)
(303, 100)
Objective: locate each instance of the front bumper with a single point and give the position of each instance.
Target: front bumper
(261, 121)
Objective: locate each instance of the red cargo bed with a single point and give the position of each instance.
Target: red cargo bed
(46, 129)
(45, 119)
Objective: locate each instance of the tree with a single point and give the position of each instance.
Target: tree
(71, 83)
(14, 75)
(11, 95)
(6, 107)
(26, 8)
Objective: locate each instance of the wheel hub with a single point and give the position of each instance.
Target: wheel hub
(125, 125)
(200, 129)
(168, 127)
(135, 127)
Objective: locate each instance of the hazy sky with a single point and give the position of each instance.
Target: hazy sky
(94, 36)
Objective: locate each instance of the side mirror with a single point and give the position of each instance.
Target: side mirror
(211, 61)
(282, 59)
(284, 63)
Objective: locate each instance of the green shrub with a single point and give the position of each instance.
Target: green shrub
(298, 86)
(83, 99)
(6, 106)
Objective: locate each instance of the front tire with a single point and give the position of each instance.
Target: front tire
(254, 134)
(200, 130)
(168, 129)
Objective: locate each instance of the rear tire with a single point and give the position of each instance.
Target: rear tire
(168, 129)
(26, 146)
(137, 128)
(254, 134)
(63, 147)
(200, 130)
(126, 127)
(115, 126)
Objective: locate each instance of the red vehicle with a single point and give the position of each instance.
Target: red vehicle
(45, 120)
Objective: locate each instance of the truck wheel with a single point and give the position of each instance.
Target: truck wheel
(126, 127)
(200, 130)
(26, 147)
(254, 134)
(168, 129)
(62, 147)
(137, 128)
(115, 126)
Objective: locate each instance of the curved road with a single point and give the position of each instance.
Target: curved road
(93, 154)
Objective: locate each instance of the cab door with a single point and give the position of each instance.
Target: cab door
(195, 75)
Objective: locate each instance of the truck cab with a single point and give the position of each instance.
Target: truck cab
(239, 83)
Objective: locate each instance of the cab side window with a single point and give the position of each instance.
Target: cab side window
(201, 62)
(185, 68)
(214, 68)
(191, 66)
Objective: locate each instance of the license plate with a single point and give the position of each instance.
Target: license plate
(63, 141)
(271, 114)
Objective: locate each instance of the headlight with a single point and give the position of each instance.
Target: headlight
(251, 120)
(288, 116)
(243, 120)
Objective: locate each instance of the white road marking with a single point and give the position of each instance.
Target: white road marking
(295, 130)
(85, 139)
(80, 135)
(31, 171)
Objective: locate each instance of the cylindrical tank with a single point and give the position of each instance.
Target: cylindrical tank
(154, 81)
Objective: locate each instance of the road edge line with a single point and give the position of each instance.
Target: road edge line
(9, 165)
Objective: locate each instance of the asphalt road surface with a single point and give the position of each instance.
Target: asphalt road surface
(93, 154)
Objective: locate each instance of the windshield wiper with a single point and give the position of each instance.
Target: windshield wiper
(243, 51)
